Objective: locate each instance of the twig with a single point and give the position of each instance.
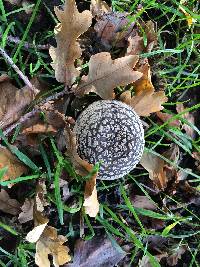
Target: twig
(36, 110)
(26, 45)
(19, 72)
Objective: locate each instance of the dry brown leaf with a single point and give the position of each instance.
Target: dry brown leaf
(105, 74)
(13, 102)
(15, 167)
(72, 25)
(27, 211)
(155, 167)
(188, 117)
(135, 45)
(145, 101)
(143, 202)
(172, 259)
(161, 172)
(165, 116)
(145, 261)
(99, 7)
(39, 129)
(82, 167)
(136, 42)
(51, 244)
(96, 252)
(91, 203)
(35, 234)
(7, 204)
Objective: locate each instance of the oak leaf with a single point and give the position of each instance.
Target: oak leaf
(14, 167)
(51, 244)
(13, 102)
(146, 100)
(72, 25)
(7, 204)
(105, 74)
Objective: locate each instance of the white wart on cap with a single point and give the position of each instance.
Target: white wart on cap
(110, 132)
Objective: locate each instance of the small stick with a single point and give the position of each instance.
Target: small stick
(19, 72)
(26, 45)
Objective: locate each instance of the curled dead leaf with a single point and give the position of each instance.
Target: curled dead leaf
(105, 74)
(72, 25)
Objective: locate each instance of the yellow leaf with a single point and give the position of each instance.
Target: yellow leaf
(72, 25)
(105, 74)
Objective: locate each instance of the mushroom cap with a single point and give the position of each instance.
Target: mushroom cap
(110, 132)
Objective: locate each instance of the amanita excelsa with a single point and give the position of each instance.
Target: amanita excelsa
(110, 132)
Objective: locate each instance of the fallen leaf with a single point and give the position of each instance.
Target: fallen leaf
(145, 261)
(135, 45)
(15, 167)
(105, 74)
(7, 204)
(172, 259)
(40, 129)
(188, 117)
(155, 167)
(34, 235)
(99, 7)
(136, 42)
(82, 167)
(165, 116)
(51, 244)
(113, 29)
(146, 100)
(97, 252)
(161, 172)
(41, 191)
(91, 203)
(72, 25)
(27, 211)
(143, 202)
(13, 102)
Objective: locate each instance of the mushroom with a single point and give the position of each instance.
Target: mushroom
(110, 132)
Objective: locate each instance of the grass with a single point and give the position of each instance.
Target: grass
(175, 62)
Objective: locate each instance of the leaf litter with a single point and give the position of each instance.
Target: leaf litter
(125, 76)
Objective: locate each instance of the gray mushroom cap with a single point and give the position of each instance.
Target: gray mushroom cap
(110, 132)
